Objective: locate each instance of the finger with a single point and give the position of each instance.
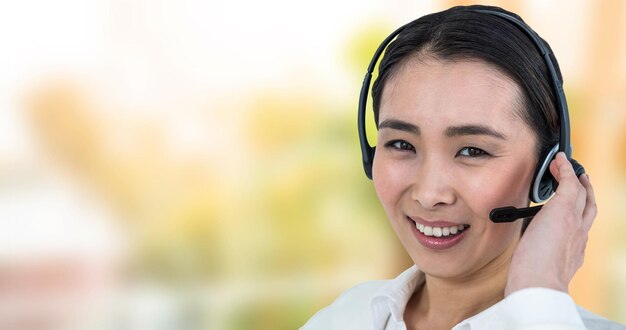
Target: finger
(554, 169)
(570, 190)
(569, 186)
(564, 167)
(591, 209)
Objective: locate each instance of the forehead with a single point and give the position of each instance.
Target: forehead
(456, 92)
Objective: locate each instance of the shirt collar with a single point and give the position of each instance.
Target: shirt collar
(393, 297)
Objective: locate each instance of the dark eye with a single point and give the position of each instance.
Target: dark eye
(400, 145)
(472, 152)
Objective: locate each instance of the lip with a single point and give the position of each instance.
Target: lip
(436, 223)
(437, 243)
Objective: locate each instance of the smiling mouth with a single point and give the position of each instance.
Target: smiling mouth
(445, 231)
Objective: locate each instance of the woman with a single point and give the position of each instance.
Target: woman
(466, 118)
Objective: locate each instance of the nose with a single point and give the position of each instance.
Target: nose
(432, 185)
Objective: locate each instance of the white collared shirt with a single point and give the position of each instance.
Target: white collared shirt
(379, 305)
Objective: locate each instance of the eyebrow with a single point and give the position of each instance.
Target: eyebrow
(451, 131)
(473, 130)
(399, 125)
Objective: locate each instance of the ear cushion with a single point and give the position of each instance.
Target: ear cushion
(544, 183)
(368, 162)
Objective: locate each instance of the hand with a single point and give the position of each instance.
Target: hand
(552, 248)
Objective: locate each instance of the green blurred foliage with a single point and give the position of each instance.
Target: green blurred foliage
(269, 234)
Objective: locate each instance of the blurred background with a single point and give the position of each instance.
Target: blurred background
(195, 164)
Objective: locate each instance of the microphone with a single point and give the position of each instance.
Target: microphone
(510, 213)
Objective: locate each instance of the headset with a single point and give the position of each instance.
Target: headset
(543, 184)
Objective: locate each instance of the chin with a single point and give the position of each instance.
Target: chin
(443, 266)
(472, 257)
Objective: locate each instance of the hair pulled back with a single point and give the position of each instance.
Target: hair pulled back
(461, 33)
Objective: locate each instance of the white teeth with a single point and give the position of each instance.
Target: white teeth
(439, 231)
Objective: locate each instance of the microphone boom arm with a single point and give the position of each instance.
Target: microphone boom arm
(510, 213)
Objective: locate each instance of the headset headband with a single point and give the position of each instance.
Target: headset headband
(367, 151)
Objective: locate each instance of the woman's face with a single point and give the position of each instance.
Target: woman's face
(450, 149)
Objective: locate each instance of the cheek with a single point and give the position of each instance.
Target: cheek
(383, 183)
(389, 182)
(500, 186)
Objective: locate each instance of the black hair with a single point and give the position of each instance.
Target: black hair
(462, 33)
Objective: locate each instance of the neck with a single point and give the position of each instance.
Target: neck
(430, 306)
